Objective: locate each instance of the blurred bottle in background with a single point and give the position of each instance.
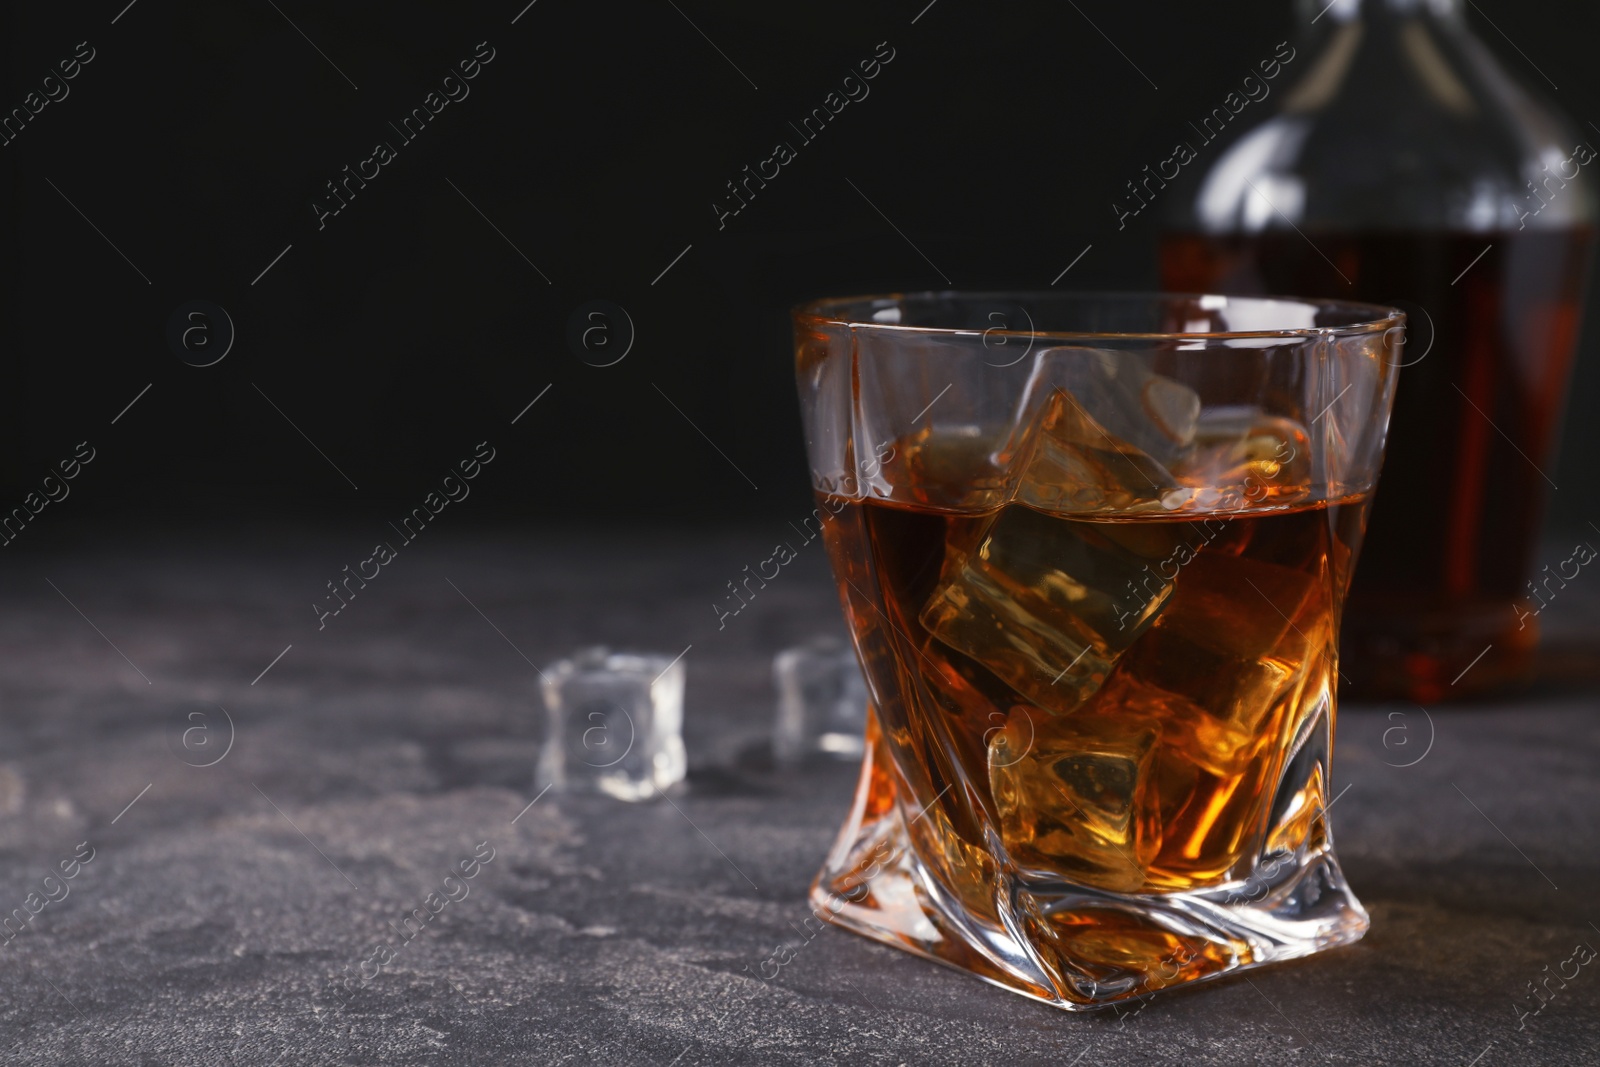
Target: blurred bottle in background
(1400, 163)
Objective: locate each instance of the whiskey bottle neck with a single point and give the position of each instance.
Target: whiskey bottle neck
(1319, 12)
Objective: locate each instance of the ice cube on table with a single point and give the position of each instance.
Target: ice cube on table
(822, 702)
(1097, 431)
(613, 724)
(1077, 794)
(1045, 603)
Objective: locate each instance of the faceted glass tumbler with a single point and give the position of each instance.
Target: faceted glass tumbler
(822, 702)
(1093, 552)
(613, 725)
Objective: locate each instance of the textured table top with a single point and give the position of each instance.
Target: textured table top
(237, 913)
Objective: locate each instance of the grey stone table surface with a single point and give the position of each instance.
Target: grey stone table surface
(239, 913)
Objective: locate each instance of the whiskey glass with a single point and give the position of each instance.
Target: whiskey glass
(1092, 550)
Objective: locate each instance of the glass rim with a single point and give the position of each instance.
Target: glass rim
(1372, 318)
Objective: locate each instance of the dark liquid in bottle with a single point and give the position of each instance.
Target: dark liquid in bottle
(1494, 320)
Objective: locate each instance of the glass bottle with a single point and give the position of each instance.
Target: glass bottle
(1399, 162)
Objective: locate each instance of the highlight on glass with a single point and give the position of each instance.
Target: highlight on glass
(1093, 551)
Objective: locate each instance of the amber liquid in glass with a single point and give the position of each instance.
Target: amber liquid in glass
(1116, 692)
(1478, 406)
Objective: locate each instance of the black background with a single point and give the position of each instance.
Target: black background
(407, 329)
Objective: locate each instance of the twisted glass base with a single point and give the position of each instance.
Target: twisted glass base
(1081, 948)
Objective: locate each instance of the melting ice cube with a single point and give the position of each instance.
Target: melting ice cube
(1047, 603)
(1076, 794)
(1097, 431)
(1154, 414)
(614, 724)
(1234, 638)
(1242, 457)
